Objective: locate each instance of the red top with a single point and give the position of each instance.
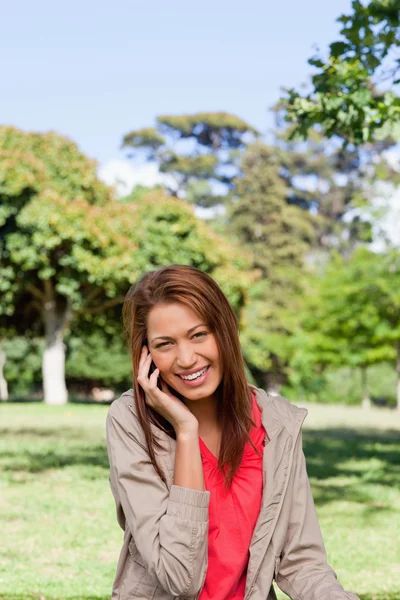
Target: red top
(232, 517)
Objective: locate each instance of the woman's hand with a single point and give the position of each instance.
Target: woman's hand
(167, 405)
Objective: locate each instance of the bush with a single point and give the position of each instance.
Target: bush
(344, 386)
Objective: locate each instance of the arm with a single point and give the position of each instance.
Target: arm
(303, 572)
(188, 468)
(169, 527)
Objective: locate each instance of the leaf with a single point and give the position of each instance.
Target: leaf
(339, 48)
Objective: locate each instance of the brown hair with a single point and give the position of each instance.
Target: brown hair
(196, 289)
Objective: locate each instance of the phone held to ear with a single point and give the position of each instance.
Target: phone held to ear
(153, 368)
(151, 371)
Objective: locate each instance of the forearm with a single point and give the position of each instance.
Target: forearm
(188, 469)
(169, 526)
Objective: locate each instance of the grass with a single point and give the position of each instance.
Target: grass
(60, 540)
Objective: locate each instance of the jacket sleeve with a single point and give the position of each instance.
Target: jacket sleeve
(169, 527)
(302, 571)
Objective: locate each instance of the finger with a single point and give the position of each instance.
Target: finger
(144, 366)
(153, 378)
(143, 354)
(164, 386)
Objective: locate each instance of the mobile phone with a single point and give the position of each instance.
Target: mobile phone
(153, 368)
(151, 371)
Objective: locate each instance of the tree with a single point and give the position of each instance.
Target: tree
(277, 235)
(353, 90)
(72, 251)
(33, 169)
(198, 151)
(277, 232)
(351, 315)
(334, 183)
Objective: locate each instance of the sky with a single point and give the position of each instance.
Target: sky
(94, 71)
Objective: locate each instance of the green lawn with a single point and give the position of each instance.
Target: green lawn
(60, 539)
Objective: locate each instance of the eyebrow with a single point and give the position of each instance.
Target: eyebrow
(189, 331)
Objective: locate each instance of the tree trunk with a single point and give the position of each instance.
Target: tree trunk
(366, 401)
(3, 382)
(53, 367)
(273, 383)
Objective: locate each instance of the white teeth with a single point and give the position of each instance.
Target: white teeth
(194, 375)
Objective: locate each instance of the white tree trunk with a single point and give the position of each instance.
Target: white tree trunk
(3, 382)
(273, 384)
(53, 367)
(366, 401)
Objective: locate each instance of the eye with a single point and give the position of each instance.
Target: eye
(200, 334)
(162, 344)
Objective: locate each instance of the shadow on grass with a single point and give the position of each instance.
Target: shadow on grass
(367, 457)
(341, 462)
(69, 433)
(37, 462)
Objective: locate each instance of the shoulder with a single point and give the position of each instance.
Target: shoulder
(281, 409)
(122, 405)
(123, 415)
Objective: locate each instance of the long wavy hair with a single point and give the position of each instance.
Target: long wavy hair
(197, 290)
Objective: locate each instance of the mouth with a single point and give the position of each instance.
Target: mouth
(196, 378)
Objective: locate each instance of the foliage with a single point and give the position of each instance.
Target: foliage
(138, 192)
(336, 184)
(92, 251)
(193, 149)
(277, 236)
(23, 363)
(350, 317)
(353, 90)
(260, 216)
(93, 358)
(323, 387)
(66, 242)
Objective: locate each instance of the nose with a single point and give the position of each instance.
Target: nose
(185, 357)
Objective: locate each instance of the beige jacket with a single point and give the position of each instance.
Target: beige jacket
(164, 554)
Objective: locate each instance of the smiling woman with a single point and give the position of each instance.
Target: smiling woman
(207, 472)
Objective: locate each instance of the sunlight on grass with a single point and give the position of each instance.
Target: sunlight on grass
(60, 539)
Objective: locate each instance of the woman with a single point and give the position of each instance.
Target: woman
(207, 472)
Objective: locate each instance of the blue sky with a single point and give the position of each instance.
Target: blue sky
(96, 70)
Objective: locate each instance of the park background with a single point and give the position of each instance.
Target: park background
(256, 142)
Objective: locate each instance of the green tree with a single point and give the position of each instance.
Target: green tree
(277, 236)
(351, 315)
(197, 151)
(335, 184)
(353, 92)
(72, 251)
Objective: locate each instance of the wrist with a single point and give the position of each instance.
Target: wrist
(187, 432)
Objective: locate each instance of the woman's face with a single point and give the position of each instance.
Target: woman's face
(184, 350)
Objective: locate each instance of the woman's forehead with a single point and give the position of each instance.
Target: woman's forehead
(175, 317)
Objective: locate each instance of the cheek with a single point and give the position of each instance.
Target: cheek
(162, 362)
(214, 351)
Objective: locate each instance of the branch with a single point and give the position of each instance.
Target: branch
(93, 294)
(48, 290)
(99, 309)
(35, 291)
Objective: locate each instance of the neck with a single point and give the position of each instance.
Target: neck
(205, 412)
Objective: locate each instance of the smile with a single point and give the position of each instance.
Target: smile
(194, 375)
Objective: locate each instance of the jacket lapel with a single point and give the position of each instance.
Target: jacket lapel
(277, 463)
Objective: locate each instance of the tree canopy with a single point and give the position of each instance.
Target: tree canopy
(72, 251)
(350, 314)
(353, 93)
(194, 149)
